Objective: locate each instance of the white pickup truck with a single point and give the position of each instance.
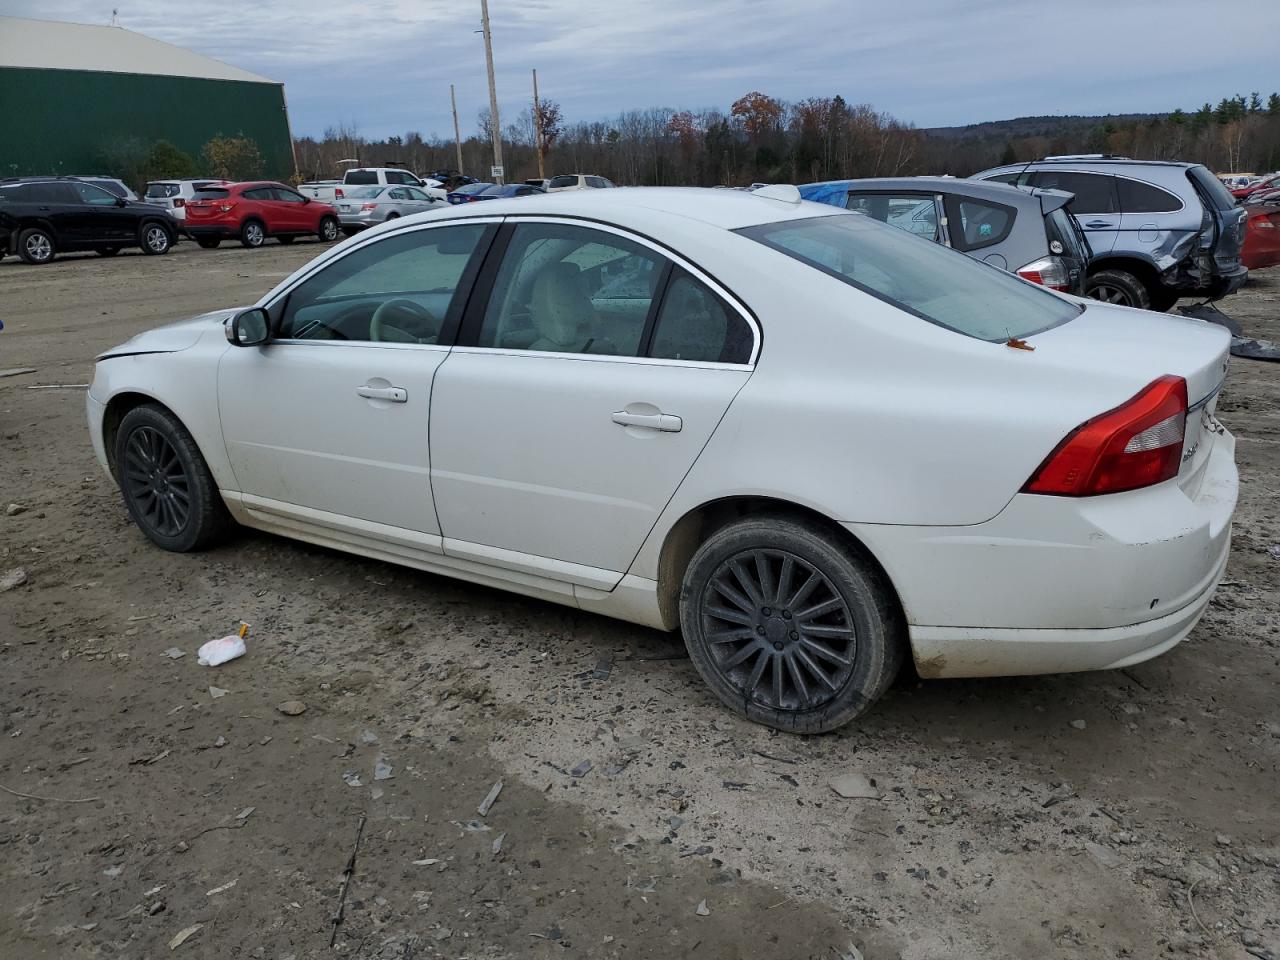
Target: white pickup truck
(327, 191)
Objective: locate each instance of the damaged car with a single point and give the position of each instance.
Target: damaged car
(1158, 230)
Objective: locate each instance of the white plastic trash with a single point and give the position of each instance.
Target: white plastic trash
(219, 651)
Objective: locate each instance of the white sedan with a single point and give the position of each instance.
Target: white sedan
(809, 441)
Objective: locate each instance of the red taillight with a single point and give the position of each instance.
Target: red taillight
(338, 194)
(226, 207)
(1137, 444)
(368, 206)
(1049, 272)
(179, 202)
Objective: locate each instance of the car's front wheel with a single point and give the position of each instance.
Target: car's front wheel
(166, 484)
(1119, 287)
(789, 626)
(155, 239)
(35, 245)
(329, 229)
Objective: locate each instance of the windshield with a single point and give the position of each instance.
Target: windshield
(1212, 187)
(929, 281)
(362, 193)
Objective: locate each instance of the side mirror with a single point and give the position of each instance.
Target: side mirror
(249, 328)
(306, 199)
(121, 202)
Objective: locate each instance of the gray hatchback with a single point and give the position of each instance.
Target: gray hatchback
(1024, 231)
(1158, 230)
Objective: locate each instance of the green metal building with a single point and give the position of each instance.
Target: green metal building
(74, 95)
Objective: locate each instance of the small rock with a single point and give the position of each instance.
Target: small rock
(581, 770)
(368, 737)
(382, 770)
(220, 742)
(497, 843)
(13, 509)
(702, 910)
(1274, 551)
(292, 708)
(352, 778)
(173, 653)
(1079, 724)
(12, 578)
(1222, 840)
(444, 933)
(217, 693)
(185, 935)
(181, 846)
(113, 871)
(1104, 855)
(855, 786)
(155, 908)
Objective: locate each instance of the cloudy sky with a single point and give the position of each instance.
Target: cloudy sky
(386, 65)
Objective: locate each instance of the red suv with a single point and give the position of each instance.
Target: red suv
(254, 211)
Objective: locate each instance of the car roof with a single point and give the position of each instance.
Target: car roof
(981, 189)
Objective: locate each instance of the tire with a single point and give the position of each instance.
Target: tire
(156, 241)
(287, 239)
(253, 234)
(1119, 287)
(107, 251)
(209, 243)
(35, 245)
(393, 216)
(156, 460)
(1163, 299)
(755, 672)
(328, 231)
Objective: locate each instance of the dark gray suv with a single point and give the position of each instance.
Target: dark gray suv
(1158, 230)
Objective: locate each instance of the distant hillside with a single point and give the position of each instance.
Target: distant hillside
(1033, 127)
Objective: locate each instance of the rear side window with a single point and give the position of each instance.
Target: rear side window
(974, 224)
(259, 193)
(360, 177)
(696, 325)
(1009, 178)
(1139, 197)
(210, 193)
(563, 182)
(113, 188)
(1211, 187)
(158, 191)
(88, 193)
(928, 281)
(1094, 193)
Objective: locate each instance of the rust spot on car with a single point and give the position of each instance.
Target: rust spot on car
(1017, 344)
(931, 667)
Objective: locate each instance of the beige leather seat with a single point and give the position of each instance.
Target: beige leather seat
(561, 310)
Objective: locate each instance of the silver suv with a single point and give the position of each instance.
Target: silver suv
(1158, 230)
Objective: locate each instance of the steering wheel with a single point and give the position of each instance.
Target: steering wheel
(403, 309)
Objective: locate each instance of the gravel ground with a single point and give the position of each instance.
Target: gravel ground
(1129, 814)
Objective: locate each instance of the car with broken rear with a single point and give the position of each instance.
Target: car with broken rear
(812, 443)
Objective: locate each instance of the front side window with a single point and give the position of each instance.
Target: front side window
(406, 288)
(1094, 193)
(975, 224)
(287, 196)
(929, 281)
(696, 325)
(112, 187)
(88, 193)
(913, 212)
(571, 289)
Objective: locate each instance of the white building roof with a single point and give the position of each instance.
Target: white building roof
(56, 45)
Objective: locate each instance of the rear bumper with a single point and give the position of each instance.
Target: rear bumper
(221, 230)
(1055, 584)
(1224, 284)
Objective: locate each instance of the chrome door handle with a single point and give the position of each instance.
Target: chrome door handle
(394, 394)
(654, 421)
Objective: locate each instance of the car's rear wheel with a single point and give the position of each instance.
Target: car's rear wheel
(1119, 287)
(35, 245)
(253, 234)
(328, 229)
(209, 243)
(286, 239)
(155, 239)
(166, 484)
(107, 251)
(789, 626)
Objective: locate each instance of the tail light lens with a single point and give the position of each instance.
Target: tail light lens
(1261, 222)
(1137, 444)
(226, 207)
(1049, 272)
(179, 202)
(368, 206)
(338, 194)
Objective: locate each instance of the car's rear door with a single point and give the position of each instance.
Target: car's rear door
(591, 371)
(1096, 205)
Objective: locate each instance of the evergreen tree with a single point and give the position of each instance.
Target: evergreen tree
(1273, 105)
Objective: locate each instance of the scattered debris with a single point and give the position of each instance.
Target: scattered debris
(352, 778)
(346, 882)
(292, 708)
(113, 871)
(1273, 551)
(1222, 840)
(581, 770)
(849, 953)
(220, 742)
(429, 862)
(368, 737)
(382, 770)
(13, 509)
(185, 935)
(489, 799)
(16, 372)
(602, 670)
(12, 578)
(856, 786)
(32, 796)
(702, 910)
(157, 758)
(1079, 724)
(173, 653)
(59, 386)
(222, 889)
(246, 813)
(444, 933)
(497, 843)
(1104, 855)
(217, 652)
(217, 693)
(1061, 792)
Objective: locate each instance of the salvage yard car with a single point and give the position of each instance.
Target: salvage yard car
(251, 212)
(363, 207)
(811, 442)
(1157, 230)
(1021, 229)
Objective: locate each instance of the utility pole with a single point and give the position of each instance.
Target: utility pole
(495, 127)
(537, 129)
(457, 135)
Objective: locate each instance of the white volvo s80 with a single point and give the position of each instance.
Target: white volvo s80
(813, 443)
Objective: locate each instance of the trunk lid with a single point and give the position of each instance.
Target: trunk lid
(1229, 219)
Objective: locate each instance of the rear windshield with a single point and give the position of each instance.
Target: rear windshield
(360, 176)
(475, 188)
(1061, 226)
(930, 281)
(1211, 187)
(563, 182)
(211, 193)
(156, 191)
(362, 193)
(496, 190)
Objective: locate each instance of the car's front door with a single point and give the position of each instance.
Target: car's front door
(294, 211)
(588, 377)
(327, 425)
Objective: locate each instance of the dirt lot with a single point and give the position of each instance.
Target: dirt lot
(1128, 814)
